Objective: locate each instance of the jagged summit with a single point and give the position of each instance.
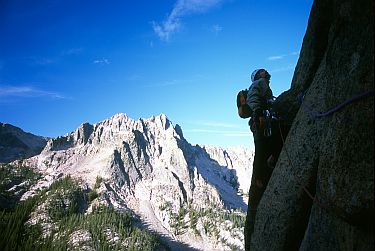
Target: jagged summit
(123, 117)
(128, 151)
(161, 120)
(148, 166)
(114, 129)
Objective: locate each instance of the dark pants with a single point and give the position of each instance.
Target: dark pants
(264, 148)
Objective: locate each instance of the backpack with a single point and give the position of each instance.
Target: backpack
(245, 111)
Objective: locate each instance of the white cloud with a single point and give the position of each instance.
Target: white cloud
(27, 92)
(273, 58)
(279, 57)
(181, 9)
(102, 61)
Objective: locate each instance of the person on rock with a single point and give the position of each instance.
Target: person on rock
(256, 103)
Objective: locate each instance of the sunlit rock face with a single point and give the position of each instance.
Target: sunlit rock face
(330, 156)
(149, 167)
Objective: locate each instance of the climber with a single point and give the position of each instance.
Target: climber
(257, 103)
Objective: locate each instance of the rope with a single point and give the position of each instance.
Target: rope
(319, 115)
(316, 114)
(305, 189)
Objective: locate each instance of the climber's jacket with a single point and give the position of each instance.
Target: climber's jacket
(259, 96)
(259, 99)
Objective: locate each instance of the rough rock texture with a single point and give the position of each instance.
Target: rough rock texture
(332, 156)
(17, 144)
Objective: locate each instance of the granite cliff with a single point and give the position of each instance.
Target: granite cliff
(329, 156)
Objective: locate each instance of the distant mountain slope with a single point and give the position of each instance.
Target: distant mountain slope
(193, 194)
(17, 144)
(55, 218)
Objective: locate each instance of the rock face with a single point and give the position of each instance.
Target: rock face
(17, 144)
(330, 156)
(148, 166)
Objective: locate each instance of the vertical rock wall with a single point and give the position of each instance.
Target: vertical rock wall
(332, 156)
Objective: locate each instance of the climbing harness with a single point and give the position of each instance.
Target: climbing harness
(269, 116)
(267, 132)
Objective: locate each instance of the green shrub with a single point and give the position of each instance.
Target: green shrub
(16, 235)
(98, 182)
(92, 195)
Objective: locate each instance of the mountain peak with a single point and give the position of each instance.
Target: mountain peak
(161, 121)
(148, 167)
(120, 116)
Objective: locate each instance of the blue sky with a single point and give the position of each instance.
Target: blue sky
(63, 62)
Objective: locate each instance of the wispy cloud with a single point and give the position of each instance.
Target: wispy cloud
(102, 61)
(273, 58)
(71, 51)
(27, 92)
(181, 9)
(217, 127)
(216, 29)
(279, 57)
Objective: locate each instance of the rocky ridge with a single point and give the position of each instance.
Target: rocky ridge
(148, 167)
(17, 144)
